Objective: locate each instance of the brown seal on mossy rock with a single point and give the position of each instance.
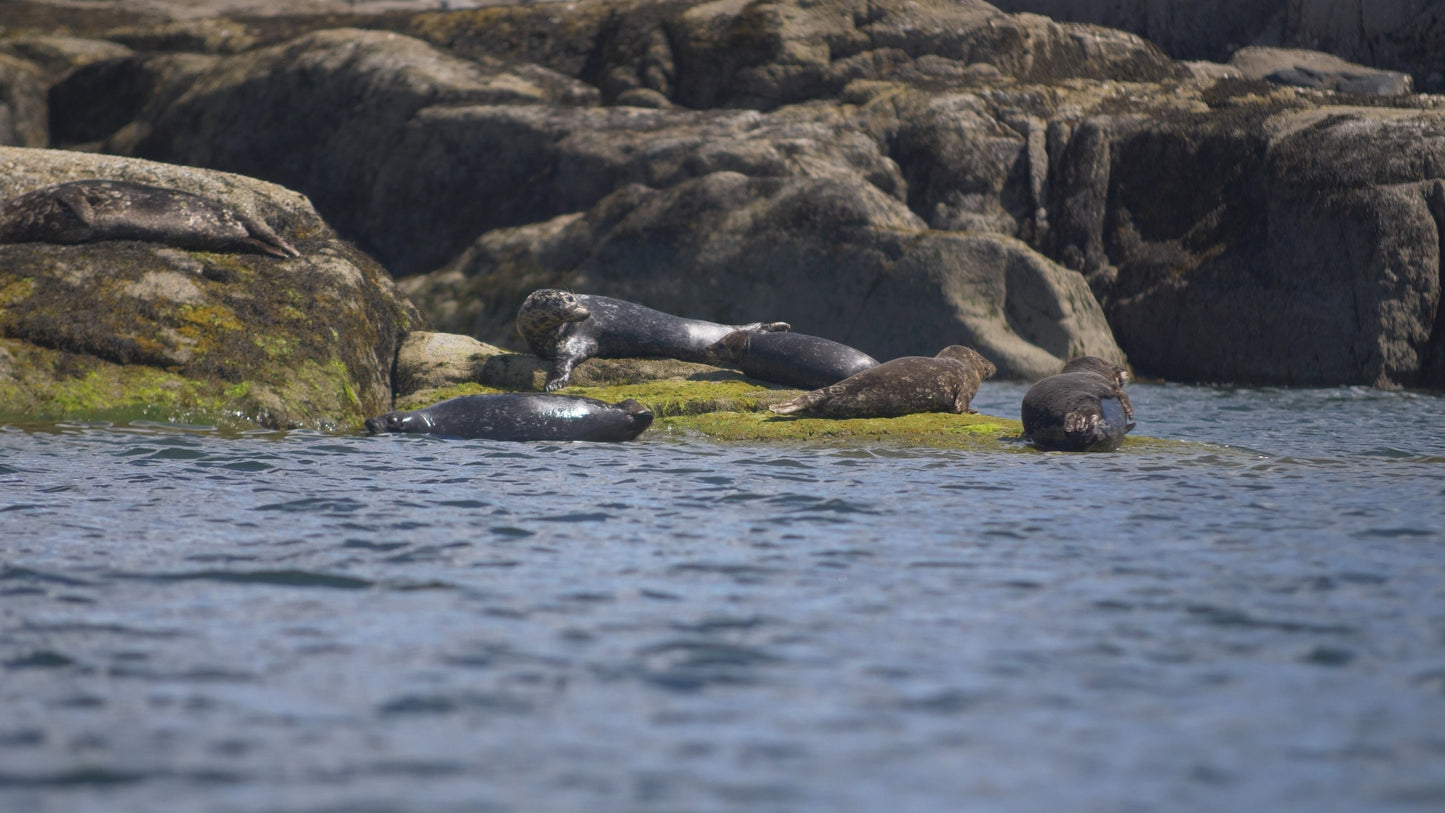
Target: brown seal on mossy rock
(903, 386)
(793, 359)
(90, 211)
(570, 328)
(520, 416)
(1082, 409)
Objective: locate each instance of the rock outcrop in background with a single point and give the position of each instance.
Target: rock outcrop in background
(896, 175)
(1396, 35)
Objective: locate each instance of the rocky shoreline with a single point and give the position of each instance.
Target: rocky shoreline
(896, 176)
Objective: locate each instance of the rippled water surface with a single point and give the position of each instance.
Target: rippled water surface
(300, 622)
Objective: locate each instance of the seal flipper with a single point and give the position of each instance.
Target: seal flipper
(264, 239)
(73, 198)
(560, 373)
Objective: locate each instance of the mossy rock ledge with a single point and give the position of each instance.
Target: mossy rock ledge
(128, 330)
(690, 400)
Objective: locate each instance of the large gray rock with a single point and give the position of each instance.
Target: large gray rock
(1399, 35)
(1288, 246)
(124, 329)
(1185, 196)
(22, 103)
(834, 257)
(329, 113)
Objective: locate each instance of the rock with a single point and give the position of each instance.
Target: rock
(1283, 245)
(22, 104)
(315, 112)
(834, 257)
(1396, 35)
(126, 329)
(1312, 69)
(428, 360)
(472, 147)
(57, 56)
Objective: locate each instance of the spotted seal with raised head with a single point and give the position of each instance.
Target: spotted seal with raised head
(94, 210)
(946, 382)
(520, 416)
(570, 328)
(1082, 409)
(792, 359)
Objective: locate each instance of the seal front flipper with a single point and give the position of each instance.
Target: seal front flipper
(560, 373)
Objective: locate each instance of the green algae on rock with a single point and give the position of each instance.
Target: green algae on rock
(128, 328)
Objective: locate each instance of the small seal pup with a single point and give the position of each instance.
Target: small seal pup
(944, 383)
(1082, 409)
(520, 416)
(89, 211)
(794, 359)
(570, 328)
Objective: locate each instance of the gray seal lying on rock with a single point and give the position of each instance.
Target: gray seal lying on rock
(944, 383)
(520, 416)
(1082, 409)
(570, 328)
(794, 359)
(89, 211)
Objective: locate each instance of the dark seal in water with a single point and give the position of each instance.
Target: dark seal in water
(520, 416)
(1082, 409)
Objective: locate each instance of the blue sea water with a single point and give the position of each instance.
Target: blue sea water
(192, 620)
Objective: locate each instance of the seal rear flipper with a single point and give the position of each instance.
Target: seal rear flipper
(264, 239)
(73, 198)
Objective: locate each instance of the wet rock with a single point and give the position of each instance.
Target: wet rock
(124, 329)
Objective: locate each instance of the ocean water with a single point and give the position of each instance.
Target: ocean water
(307, 622)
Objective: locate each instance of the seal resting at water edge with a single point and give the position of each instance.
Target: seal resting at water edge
(794, 359)
(520, 416)
(903, 386)
(570, 328)
(90, 211)
(1082, 409)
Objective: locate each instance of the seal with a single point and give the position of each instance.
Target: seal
(903, 386)
(1082, 409)
(793, 359)
(90, 211)
(570, 328)
(520, 416)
